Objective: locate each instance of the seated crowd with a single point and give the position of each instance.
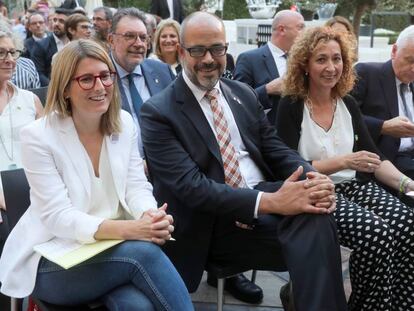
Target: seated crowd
(150, 135)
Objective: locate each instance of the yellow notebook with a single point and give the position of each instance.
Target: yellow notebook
(68, 253)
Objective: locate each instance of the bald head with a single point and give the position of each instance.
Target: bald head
(203, 49)
(286, 26)
(200, 20)
(285, 16)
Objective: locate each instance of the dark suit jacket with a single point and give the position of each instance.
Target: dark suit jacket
(42, 54)
(377, 96)
(160, 8)
(157, 76)
(28, 47)
(187, 171)
(257, 68)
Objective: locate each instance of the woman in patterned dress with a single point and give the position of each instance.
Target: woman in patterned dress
(317, 118)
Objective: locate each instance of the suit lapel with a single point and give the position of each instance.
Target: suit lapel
(152, 80)
(192, 110)
(73, 146)
(243, 124)
(270, 62)
(390, 88)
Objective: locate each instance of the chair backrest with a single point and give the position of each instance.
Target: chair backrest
(41, 92)
(16, 194)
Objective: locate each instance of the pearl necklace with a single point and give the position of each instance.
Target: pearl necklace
(9, 156)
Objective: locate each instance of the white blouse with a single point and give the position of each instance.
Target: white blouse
(104, 199)
(317, 144)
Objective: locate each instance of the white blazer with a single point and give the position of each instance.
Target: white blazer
(60, 193)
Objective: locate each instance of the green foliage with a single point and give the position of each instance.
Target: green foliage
(392, 22)
(143, 5)
(234, 9)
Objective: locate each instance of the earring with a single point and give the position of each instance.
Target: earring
(306, 73)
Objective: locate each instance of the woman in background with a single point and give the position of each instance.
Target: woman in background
(341, 24)
(318, 118)
(87, 184)
(18, 107)
(166, 39)
(78, 26)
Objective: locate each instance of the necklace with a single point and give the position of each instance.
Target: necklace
(11, 155)
(322, 133)
(309, 104)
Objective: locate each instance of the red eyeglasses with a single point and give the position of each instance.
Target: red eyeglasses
(88, 81)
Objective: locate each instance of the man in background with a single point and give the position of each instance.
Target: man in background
(263, 68)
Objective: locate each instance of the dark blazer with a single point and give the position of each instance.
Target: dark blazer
(289, 126)
(28, 47)
(157, 76)
(160, 8)
(377, 96)
(186, 168)
(42, 54)
(257, 68)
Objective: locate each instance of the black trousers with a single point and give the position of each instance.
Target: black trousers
(306, 245)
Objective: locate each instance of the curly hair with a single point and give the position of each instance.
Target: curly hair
(296, 82)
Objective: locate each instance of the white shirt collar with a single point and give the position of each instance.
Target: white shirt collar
(123, 73)
(275, 50)
(198, 93)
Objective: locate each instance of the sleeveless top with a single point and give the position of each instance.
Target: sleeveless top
(19, 112)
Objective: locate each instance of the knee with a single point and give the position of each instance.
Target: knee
(141, 251)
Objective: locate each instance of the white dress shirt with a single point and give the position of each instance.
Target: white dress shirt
(248, 168)
(143, 91)
(406, 143)
(279, 57)
(60, 44)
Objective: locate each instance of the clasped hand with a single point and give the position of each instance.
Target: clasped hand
(314, 195)
(156, 225)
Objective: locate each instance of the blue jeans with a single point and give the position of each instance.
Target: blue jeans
(133, 275)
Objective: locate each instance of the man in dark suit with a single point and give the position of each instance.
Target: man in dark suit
(43, 51)
(37, 27)
(138, 78)
(263, 68)
(168, 9)
(214, 158)
(385, 94)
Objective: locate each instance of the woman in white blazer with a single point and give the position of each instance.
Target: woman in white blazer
(87, 184)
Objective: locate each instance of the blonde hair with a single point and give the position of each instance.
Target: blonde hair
(296, 82)
(161, 26)
(64, 67)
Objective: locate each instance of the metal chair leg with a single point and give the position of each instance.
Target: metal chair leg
(14, 304)
(254, 272)
(220, 296)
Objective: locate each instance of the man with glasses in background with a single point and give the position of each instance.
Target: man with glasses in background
(37, 27)
(238, 194)
(102, 22)
(263, 68)
(43, 51)
(138, 78)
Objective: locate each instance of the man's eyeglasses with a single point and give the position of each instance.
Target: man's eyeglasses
(88, 81)
(131, 37)
(98, 19)
(15, 54)
(200, 51)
